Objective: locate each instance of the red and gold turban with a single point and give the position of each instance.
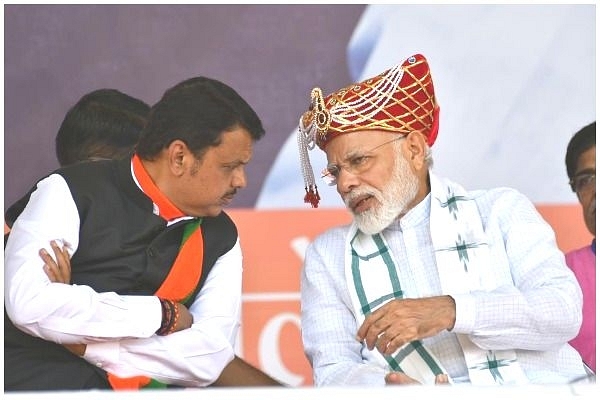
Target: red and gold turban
(399, 100)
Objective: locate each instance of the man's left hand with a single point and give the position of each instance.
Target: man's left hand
(59, 271)
(403, 320)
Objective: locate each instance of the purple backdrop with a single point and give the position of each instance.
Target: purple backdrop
(271, 54)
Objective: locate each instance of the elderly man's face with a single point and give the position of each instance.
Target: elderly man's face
(374, 178)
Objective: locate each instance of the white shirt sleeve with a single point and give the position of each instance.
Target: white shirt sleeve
(54, 311)
(192, 357)
(328, 324)
(538, 305)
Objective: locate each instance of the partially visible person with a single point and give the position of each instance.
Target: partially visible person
(106, 124)
(430, 283)
(156, 263)
(103, 124)
(580, 161)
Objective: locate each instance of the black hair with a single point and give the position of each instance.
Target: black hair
(105, 123)
(582, 140)
(196, 111)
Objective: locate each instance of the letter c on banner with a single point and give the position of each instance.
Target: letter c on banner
(268, 349)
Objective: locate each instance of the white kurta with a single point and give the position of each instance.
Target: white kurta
(535, 310)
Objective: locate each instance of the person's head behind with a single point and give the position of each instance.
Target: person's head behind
(103, 124)
(377, 136)
(197, 141)
(580, 160)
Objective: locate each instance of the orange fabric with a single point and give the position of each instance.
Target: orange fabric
(184, 276)
(185, 273)
(133, 383)
(166, 208)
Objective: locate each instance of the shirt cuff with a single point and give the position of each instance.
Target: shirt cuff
(102, 354)
(465, 313)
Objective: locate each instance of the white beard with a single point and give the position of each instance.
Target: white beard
(401, 190)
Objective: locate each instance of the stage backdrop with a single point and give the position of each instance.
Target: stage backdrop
(270, 54)
(511, 92)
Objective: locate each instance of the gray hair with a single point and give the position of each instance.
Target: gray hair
(428, 154)
(428, 157)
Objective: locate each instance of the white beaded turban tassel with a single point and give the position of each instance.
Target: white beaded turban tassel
(306, 142)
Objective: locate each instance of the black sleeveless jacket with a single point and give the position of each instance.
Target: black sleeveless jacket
(123, 247)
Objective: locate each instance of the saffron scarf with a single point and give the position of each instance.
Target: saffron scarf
(184, 276)
(463, 262)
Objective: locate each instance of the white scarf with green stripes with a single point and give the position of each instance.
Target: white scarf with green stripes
(463, 261)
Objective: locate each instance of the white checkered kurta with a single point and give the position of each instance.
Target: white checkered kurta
(535, 309)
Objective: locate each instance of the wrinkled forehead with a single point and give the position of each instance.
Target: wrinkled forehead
(355, 143)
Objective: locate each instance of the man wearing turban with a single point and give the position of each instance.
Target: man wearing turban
(430, 283)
